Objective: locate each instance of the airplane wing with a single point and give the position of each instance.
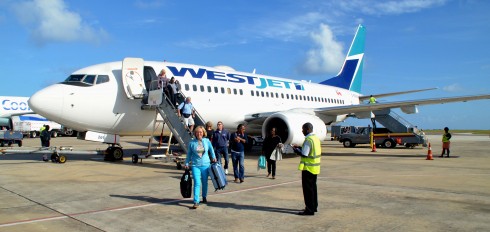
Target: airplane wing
(256, 120)
(353, 109)
(366, 97)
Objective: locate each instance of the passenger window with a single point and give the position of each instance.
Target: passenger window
(228, 90)
(102, 79)
(252, 93)
(267, 94)
(89, 79)
(234, 91)
(282, 95)
(222, 90)
(194, 88)
(202, 88)
(187, 87)
(262, 93)
(209, 89)
(215, 89)
(241, 92)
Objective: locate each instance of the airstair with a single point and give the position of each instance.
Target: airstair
(159, 102)
(394, 122)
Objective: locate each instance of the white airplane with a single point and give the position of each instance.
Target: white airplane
(105, 99)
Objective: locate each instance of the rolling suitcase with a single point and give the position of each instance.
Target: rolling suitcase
(217, 176)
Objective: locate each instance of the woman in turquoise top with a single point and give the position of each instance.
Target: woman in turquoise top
(200, 152)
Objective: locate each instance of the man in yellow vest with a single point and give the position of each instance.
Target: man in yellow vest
(372, 100)
(309, 166)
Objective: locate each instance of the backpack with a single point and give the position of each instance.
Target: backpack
(182, 109)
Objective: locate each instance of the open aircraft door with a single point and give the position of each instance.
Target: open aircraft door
(132, 77)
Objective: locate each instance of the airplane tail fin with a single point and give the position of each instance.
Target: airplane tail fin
(350, 75)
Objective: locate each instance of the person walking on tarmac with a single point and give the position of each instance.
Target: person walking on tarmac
(372, 100)
(200, 154)
(310, 153)
(445, 142)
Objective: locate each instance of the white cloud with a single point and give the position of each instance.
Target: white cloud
(389, 7)
(298, 26)
(327, 57)
(453, 88)
(145, 4)
(51, 21)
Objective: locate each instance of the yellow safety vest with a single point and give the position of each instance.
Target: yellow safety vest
(311, 162)
(445, 138)
(372, 100)
(41, 129)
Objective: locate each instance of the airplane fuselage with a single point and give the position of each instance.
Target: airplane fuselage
(219, 95)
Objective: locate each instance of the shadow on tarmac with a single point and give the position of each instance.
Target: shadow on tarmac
(187, 203)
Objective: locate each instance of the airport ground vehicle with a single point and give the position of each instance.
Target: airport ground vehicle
(8, 137)
(382, 137)
(30, 125)
(396, 131)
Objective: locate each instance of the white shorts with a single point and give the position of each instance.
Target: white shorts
(189, 121)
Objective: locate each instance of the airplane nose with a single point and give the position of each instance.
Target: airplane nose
(48, 102)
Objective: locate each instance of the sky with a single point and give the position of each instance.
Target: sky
(410, 44)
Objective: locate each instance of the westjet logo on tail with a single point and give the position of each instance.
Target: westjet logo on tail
(258, 82)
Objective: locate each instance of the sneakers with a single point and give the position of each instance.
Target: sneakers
(204, 200)
(226, 171)
(241, 180)
(195, 206)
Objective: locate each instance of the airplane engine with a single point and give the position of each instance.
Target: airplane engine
(289, 126)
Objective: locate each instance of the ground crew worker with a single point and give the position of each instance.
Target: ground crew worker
(372, 100)
(445, 142)
(40, 133)
(309, 166)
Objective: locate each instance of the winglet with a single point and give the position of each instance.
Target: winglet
(350, 75)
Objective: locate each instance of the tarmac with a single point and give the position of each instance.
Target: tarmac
(359, 190)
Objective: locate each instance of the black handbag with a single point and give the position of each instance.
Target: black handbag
(186, 184)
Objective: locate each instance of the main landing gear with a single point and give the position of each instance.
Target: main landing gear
(114, 152)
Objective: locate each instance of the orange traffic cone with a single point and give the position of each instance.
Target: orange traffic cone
(429, 153)
(374, 146)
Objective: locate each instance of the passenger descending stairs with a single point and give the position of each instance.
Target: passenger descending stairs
(173, 122)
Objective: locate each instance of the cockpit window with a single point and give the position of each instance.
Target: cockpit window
(86, 80)
(102, 79)
(74, 78)
(89, 79)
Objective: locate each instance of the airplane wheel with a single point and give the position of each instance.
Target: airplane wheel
(134, 158)
(117, 153)
(62, 159)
